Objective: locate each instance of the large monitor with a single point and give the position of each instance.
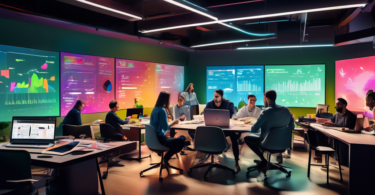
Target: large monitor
(353, 78)
(237, 82)
(297, 85)
(29, 82)
(169, 78)
(86, 78)
(135, 80)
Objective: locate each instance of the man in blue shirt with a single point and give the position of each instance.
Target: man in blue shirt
(272, 116)
(115, 121)
(73, 117)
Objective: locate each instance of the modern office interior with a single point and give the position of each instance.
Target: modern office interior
(187, 97)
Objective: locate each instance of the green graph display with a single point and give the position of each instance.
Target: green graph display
(297, 85)
(29, 82)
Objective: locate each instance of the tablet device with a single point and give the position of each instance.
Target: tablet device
(62, 149)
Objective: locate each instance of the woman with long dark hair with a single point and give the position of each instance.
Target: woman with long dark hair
(159, 120)
(190, 96)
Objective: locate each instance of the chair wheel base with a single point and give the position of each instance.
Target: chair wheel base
(181, 172)
(289, 174)
(161, 179)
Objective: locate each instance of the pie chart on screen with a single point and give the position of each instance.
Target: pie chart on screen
(107, 86)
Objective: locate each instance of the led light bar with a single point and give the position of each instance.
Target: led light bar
(249, 33)
(109, 9)
(255, 17)
(227, 42)
(191, 9)
(283, 47)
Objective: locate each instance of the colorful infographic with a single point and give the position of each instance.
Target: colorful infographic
(169, 78)
(29, 82)
(353, 78)
(297, 85)
(135, 80)
(87, 78)
(237, 82)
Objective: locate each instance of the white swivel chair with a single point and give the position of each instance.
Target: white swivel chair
(154, 145)
(212, 141)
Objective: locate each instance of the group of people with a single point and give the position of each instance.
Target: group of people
(162, 118)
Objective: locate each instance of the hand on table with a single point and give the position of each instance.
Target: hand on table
(183, 117)
(329, 124)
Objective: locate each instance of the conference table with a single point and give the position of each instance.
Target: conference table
(74, 174)
(361, 157)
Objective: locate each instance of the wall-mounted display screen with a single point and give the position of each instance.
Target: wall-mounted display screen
(29, 82)
(297, 85)
(169, 78)
(87, 78)
(237, 82)
(135, 80)
(353, 78)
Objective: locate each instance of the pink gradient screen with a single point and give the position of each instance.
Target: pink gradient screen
(87, 78)
(169, 78)
(135, 79)
(354, 77)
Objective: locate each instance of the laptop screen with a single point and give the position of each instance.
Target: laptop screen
(33, 128)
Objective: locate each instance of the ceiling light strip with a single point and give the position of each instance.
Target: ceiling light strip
(228, 42)
(256, 17)
(109, 9)
(191, 9)
(248, 33)
(283, 47)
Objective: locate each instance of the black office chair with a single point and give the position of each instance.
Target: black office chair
(78, 131)
(212, 141)
(327, 151)
(277, 140)
(109, 133)
(15, 165)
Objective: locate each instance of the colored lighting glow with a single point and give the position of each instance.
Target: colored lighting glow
(284, 47)
(4, 73)
(257, 17)
(248, 33)
(109, 9)
(265, 22)
(191, 9)
(228, 42)
(195, 5)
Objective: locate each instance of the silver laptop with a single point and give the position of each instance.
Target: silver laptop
(32, 132)
(217, 117)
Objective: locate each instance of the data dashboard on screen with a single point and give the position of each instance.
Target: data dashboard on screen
(29, 82)
(135, 80)
(353, 78)
(237, 82)
(297, 85)
(169, 78)
(87, 78)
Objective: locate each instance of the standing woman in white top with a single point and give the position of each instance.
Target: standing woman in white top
(190, 96)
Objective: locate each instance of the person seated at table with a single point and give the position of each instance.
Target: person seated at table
(73, 117)
(265, 122)
(248, 111)
(220, 103)
(180, 110)
(370, 101)
(159, 120)
(343, 117)
(115, 121)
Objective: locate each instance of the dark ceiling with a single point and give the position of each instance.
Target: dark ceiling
(291, 29)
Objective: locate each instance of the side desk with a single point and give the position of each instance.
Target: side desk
(361, 158)
(74, 174)
(133, 133)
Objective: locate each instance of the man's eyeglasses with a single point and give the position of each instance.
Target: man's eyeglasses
(253, 100)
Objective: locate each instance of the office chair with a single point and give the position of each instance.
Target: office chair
(108, 133)
(327, 151)
(212, 141)
(154, 145)
(277, 140)
(78, 131)
(15, 165)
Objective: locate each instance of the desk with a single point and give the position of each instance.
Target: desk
(361, 158)
(133, 133)
(75, 174)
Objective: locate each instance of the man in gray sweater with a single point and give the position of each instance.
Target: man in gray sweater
(181, 110)
(249, 111)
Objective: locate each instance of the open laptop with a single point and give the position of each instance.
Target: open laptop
(217, 117)
(32, 132)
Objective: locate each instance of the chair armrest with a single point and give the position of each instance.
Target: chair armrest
(21, 180)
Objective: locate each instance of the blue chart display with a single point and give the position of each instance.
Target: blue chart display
(297, 85)
(237, 82)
